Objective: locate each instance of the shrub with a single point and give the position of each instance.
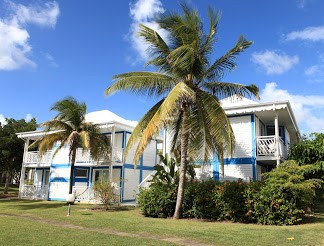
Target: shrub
(158, 200)
(281, 199)
(105, 192)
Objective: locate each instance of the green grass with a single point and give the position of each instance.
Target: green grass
(131, 221)
(12, 191)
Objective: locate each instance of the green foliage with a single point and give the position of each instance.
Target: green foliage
(69, 128)
(281, 199)
(12, 147)
(158, 201)
(167, 172)
(105, 192)
(309, 150)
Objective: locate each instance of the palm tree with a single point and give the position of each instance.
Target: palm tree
(68, 128)
(189, 88)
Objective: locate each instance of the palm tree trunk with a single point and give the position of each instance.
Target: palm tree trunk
(72, 169)
(183, 169)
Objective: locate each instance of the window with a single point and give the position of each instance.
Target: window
(101, 175)
(81, 173)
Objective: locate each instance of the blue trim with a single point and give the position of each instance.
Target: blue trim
(123, 140)
(131, 166)
(68, 165)
(56, 199)
(129, 200)
(253, 148)
(241, 161)
(81, 179)
(60, 179)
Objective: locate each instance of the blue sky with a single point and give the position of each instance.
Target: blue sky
(52, 49)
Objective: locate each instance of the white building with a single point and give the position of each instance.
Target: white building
(263, 132)
(48, 177)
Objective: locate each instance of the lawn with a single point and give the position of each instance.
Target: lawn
(25, 222)
(12, 192)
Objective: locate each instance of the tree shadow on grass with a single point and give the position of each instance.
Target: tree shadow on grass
(32, 204)
(315, 217)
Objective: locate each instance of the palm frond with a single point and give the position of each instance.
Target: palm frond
(142, 83)
(140, 127)
(164, 114)
(227, 62)
(226, 89)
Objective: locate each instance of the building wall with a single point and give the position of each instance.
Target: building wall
(242, 164)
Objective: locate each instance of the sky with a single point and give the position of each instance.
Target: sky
(53, 49)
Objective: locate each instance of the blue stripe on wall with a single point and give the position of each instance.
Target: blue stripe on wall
(253, 148)
(139, 167)
(60, 179)
(68, 165)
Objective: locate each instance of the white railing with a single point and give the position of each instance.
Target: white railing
(266, 146)
(32, 157)
(87, 194)
(34, 192)
(85, 157)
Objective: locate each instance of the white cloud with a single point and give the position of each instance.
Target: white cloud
(2, 119)
(28, 117)
(274, 62)
(14, 36)
(308, 110)
(301, 4)
(315, 33)
(143, 12)
(50, 59)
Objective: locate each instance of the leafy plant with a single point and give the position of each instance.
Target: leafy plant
(105, 192)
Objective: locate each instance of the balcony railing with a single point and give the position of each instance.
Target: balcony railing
(34, 192)
(84, 156)
(32, 157)
(266, 146)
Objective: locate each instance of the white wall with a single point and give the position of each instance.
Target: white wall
(242, 128)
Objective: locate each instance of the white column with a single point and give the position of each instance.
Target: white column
(23, 168)
(277, 138)
(112, 154)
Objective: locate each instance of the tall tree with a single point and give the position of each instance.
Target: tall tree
(69, 128)
(12, 148)
(189, 88)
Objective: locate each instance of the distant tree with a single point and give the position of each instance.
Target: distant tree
(70, 129)
(309, 150)
(12, 148)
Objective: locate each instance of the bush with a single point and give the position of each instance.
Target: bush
(158, 201)
(105, 192)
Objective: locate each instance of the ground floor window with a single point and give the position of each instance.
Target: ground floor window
(100, 175)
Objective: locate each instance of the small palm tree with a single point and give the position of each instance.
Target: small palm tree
(189, 87)
(69, 128)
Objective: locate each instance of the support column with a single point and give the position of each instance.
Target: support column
(112, 154)
(23, 168)
(277, 138)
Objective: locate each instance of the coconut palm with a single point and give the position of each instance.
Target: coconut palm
(68, 128)
(189, 88)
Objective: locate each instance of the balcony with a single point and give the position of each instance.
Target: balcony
(84, 156)
(266, 148)
(32, 157)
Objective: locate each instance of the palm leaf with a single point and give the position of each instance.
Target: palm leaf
(142, 83)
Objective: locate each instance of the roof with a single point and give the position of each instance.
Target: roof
(106, 116)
